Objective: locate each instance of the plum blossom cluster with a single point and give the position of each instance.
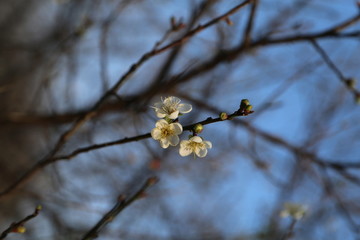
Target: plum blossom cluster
(168, 128)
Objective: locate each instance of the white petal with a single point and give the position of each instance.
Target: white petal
(184, 108)
(201, 152)
(164, 143)
(158, 105)
(156, 133)
(208, 144)
(196, 139)
(177, 128)
(171, 100)
(174, 115)
(160, 115)
(167, 101)
(184, 143)
(184, 151)
(174, 140)
(160, 110)
(161, 123)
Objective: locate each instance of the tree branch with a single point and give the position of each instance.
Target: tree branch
(347, 81)
(44, 163)
(93, 111)
(290, 232)
(121, 204)
(222, 56)
(87, 116)
(250, 23)
(18, 227)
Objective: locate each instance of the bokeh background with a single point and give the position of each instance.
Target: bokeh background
(301, 145)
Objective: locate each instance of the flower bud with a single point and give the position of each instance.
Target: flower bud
(351, 82)
(152, 180)
(176, 25)
(248, 108)
(121, 198)
(198, 128)
(228, 21)
(357, 99)
(245, 102)
(223, 116)
(19, 229)
(142, 195)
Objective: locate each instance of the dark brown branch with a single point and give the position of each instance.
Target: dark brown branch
(340, 204)
(14, 227)
(304, 154)
(99, 146)
(250, 23)
(332, 32)
(140, 137)
(93, 111)
(38, 166)
(336, 165)
(121, 204)
(335, 69)
(43, 120)
(201, 27)
(299, 151)
(290, 232)
(305, 37)
(132, 70)
(328, 61)
(232, 54)
(223, 56)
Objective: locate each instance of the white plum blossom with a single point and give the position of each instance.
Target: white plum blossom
(170, 107)
(166, 133)
(194, 145)
(297, 211)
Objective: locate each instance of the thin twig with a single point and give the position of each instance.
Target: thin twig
(333, 31)
(43, 164)
(340, 204)
(299, 151)
(328, 61)
(131, 71)
(223, 56)
(93, 111)
(14, 227)
(334, 68)
(290, 233)
(139, 137)
(120, 205)
(232, 54)
(250, 23)
(201, 28)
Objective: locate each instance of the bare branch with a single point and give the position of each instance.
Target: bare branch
(18, 227)
(341, 206)
(290, 233)
(232, 54)
(347, 81)
(121, 204)
(223, 56)
(44, 163)
(250, 23)
(93, 111)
